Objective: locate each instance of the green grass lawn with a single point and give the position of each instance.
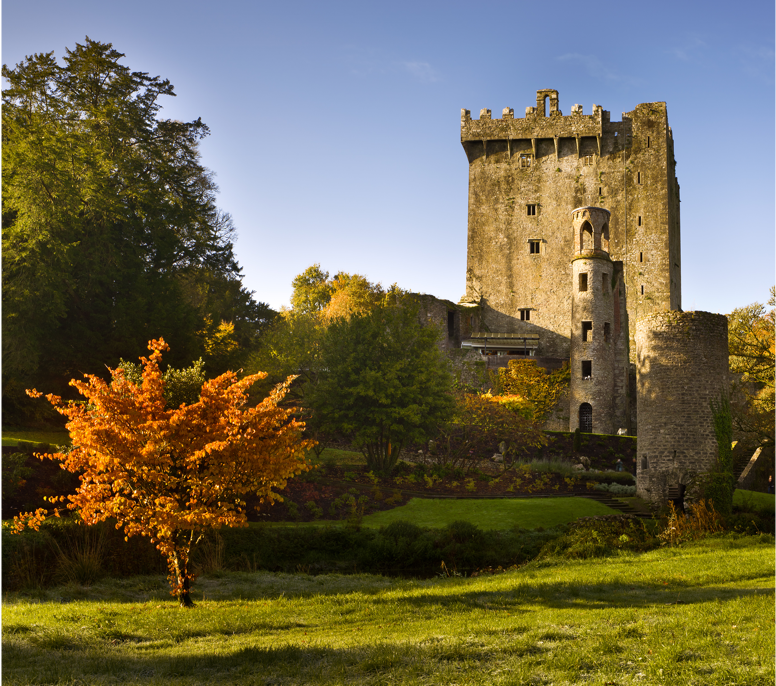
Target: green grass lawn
(753, 500)
(700, 614)
(12, 437)
(502, 513)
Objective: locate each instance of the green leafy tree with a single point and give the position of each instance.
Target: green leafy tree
(111, 235)
(751, 348)
(383, 382)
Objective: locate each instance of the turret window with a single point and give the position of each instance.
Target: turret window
(583, 281)
(587, 331)
(587, 369)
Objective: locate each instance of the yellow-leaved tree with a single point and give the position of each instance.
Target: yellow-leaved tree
(172, 473)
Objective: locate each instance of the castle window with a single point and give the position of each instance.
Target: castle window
(587, 160)
(607, 332)
(638, 177)
(605, 283)
(639, 220)
(644, 462)
(587, 369)
(642, 290)
(586, 418)
(450, 324)
(641, 257)
(525, 161)
(531, 210)
(525, 314)
(586, 237)
(583, 281)
(587, 329)
(534, 247)
(647, 141)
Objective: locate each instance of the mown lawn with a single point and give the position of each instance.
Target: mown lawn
(700, 614)
(503, 513)
(753, 500)
(12, 437)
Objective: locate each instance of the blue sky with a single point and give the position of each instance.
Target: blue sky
(336, 125)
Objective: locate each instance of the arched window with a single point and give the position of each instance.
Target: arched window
(586, 418)
(586, 237)
(605, 237)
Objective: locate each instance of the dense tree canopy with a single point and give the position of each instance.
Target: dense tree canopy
(384, 382)
(751, 348)
(111, 235)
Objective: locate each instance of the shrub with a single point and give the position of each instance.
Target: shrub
(601, 536)
(700, 520)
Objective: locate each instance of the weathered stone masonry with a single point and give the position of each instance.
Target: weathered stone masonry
(525, 177)
(682, 365)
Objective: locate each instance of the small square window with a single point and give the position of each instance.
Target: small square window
(530, 210)
(587, 160)
(525, 161)
(583, 281)
(525, 315)
(587, 331)
(587, 369)
(534, 247)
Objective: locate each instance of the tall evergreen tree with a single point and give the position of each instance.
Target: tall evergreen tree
(111, 235)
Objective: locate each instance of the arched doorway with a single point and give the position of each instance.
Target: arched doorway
(586, 418)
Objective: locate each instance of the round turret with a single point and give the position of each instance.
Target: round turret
(592, 318)
(682, 366)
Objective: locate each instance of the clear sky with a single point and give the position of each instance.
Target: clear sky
(336, 125)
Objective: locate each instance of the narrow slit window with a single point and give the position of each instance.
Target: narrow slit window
(607, 332)
(587, 331)
(639, 220)
(534, 247)
(647, 141)
(530, 210)
(587, 369)
(583, 281)
(642, 290)
(525, 315)
(638, 177)
(605, 283)
(641, 257)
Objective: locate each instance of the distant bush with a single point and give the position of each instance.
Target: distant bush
(616, 489)
(600, 537)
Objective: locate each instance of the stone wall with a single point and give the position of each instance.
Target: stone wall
(682, 365)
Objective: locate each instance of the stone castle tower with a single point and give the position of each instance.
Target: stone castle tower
(682, 364)
(525, 176)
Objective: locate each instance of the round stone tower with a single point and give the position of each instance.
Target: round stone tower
(592, 319)
(681, 366)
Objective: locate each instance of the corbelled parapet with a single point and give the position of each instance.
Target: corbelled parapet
(537, 123)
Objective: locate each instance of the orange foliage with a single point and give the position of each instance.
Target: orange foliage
(172, 473)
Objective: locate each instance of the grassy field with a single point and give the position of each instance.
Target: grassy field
(700, 614)
(753, 500)
(12, 437)
(527, 513)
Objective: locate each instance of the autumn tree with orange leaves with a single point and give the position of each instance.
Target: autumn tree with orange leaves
(172, 473)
